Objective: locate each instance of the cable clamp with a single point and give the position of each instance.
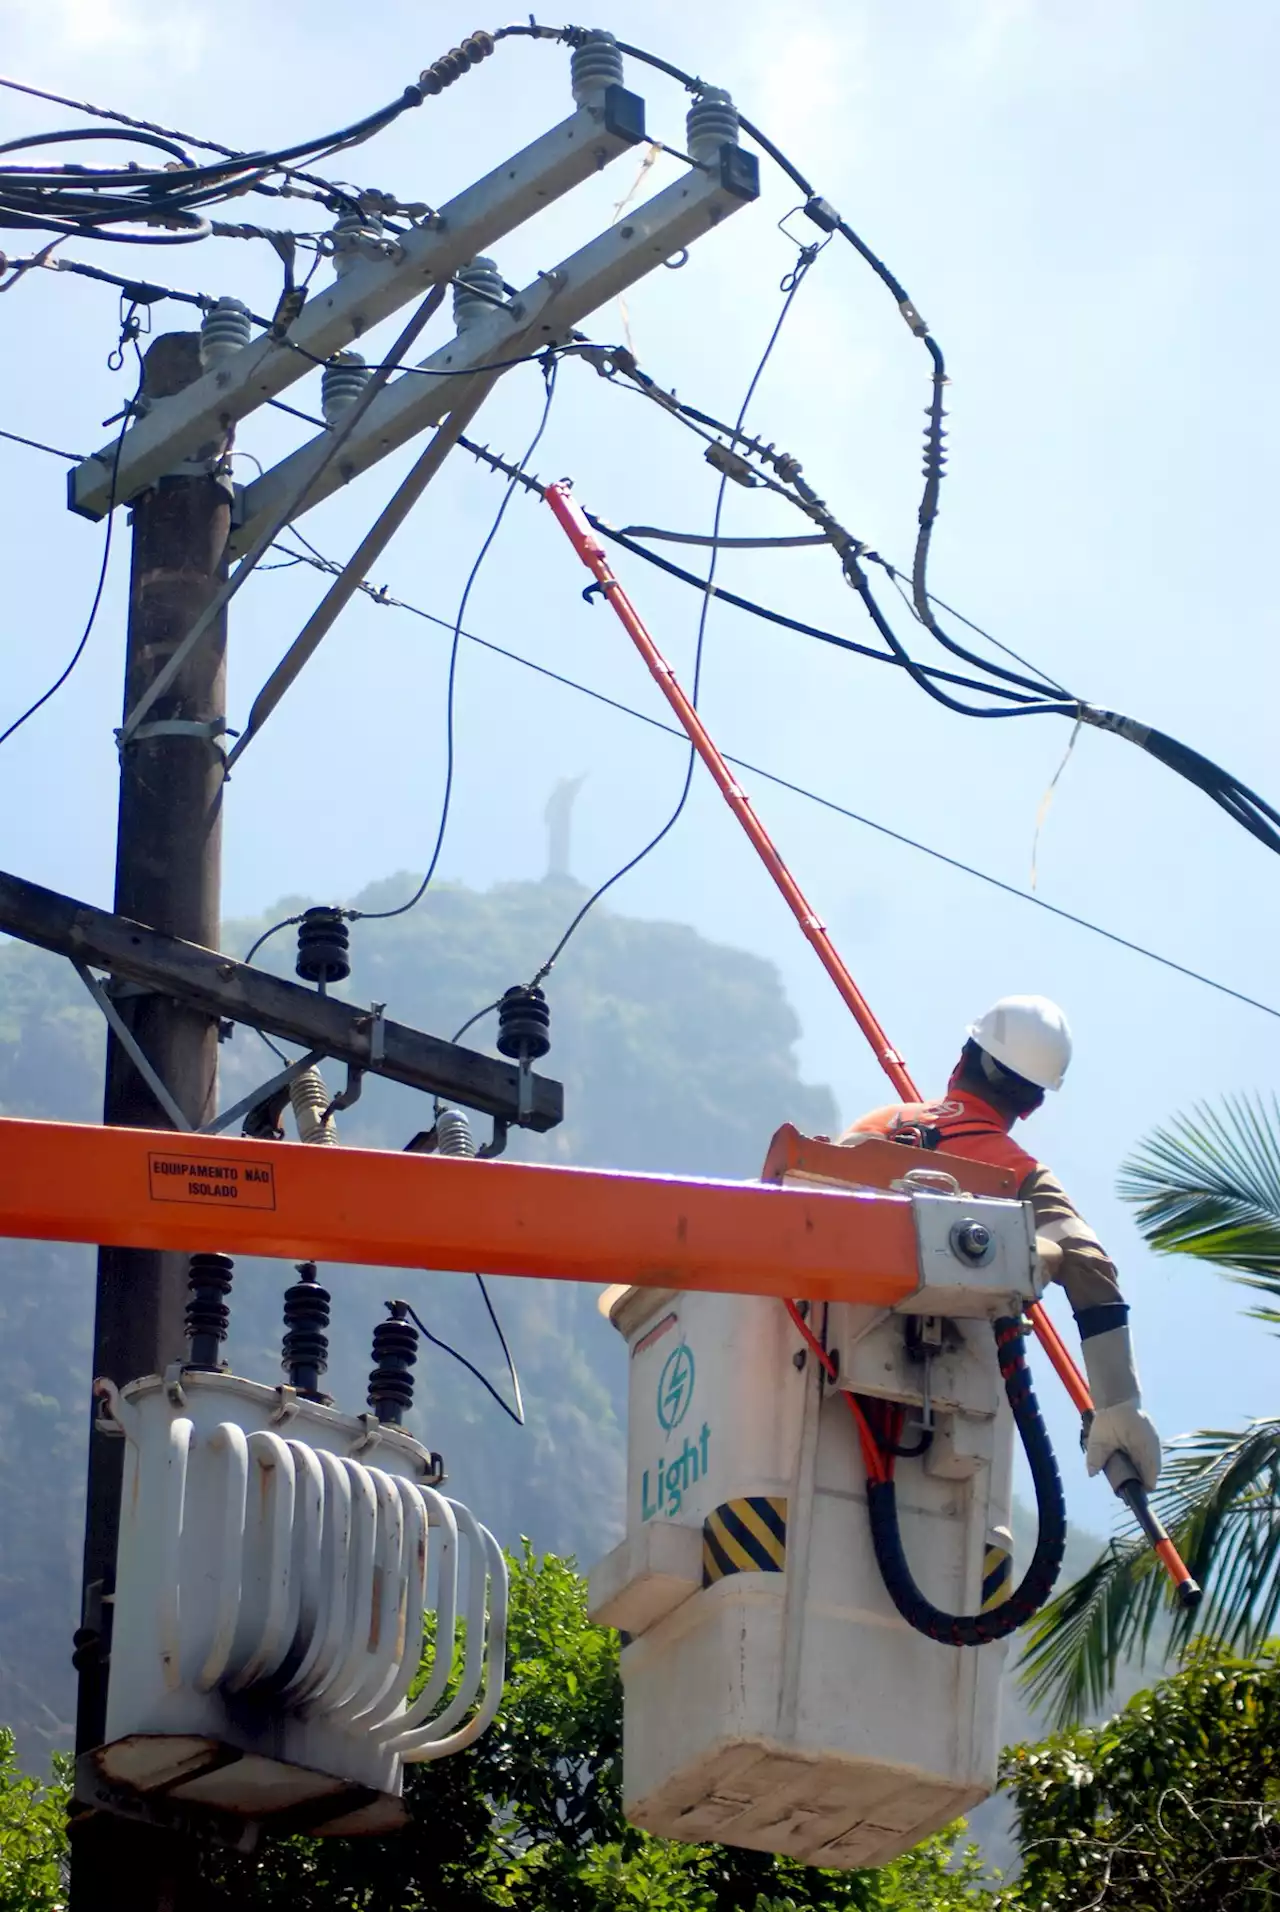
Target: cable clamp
(207, 728)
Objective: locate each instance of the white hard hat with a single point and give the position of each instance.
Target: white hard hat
(1029, 1035)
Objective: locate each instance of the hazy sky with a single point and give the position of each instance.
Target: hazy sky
(1079, 198)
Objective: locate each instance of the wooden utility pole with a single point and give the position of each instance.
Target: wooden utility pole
(168, 875)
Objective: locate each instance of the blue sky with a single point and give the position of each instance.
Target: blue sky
(1077, 199)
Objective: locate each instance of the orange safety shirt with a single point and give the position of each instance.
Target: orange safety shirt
(965, 1125)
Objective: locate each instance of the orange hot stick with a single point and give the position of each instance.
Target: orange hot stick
(589, 548)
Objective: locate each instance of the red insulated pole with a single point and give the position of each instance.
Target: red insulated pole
(589, 548)
(591, 551)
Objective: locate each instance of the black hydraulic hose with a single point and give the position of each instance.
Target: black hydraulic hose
(979, 1629)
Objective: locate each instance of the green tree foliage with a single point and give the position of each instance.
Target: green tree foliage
(33, 1839)
(530, 1818)
(1207, 1186)
(1173, 1806)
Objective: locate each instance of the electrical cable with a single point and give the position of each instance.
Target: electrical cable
(792, 284)
(88, 201)
(100, 586)
(34, 444)
(402, 909)
(515, 1413)
(382, 596)
(1241, 803)
(168, 132)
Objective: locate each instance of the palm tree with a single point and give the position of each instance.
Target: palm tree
(1207, 1186)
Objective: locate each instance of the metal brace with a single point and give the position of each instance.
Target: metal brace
(281, 1080)
(129, 1043)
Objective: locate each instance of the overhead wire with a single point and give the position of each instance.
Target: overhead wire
(790, 286)
(90, 201)
(549, 377)
(381, 596)
(103, 567)
(515, 1413)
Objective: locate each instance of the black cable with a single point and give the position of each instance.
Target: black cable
(515, 1413)
(754, 609)
(381, 596)
(550, 369)
(286, 922)
(92, 618)
(326, 186)
(858, 578)
(798, 625)
(995, 1623)
(793, 283)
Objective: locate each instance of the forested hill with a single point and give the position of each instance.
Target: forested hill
(675, 1053)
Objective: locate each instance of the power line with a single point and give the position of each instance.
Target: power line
(792, 284)
(402, 909)
(383, 597)
(72, 457)
(100, 586)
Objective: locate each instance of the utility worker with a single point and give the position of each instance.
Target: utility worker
(1020, 1048)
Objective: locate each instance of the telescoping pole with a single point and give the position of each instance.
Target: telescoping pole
(589, 548)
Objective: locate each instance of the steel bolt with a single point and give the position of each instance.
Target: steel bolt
(971, 1241)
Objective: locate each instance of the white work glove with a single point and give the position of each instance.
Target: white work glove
(1119, 1424)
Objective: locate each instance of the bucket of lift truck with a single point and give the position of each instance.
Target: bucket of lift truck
(773, 1696)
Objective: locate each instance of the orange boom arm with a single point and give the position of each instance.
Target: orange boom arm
(139, 1188)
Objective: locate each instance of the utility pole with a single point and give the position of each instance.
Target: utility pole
(168, 875)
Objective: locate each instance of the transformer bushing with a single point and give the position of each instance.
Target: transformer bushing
(477, 289)
(341, 383)
(395, 1349)
(711, 122)
(225, 330)
(305, 1353)
(208, 1316)
(595, 65)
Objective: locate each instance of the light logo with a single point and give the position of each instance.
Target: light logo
(675, 1387)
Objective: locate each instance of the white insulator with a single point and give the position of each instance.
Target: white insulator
(357, 236)
(711, 122)
(341, 383)
(453, 1133)
(310, 1099)
(225, 330)
(477, 288)
(595, 65)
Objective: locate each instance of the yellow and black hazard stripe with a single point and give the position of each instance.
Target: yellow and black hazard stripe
(997, 1576)
(745, 1536)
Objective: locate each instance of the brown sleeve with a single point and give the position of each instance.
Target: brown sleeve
(1087, 1272)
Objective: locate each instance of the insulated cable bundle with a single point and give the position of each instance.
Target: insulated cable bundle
(169, 195)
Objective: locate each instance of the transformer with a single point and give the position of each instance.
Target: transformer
(279, 1564)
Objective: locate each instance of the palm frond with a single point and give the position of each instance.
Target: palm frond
(1220, 1498)
(1076, 1643)
(1209, 1186)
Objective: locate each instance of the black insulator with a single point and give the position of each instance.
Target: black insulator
(395, 1349)
(324, 944)
(524, 1024)
(305, 1354)
(208, 1316)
